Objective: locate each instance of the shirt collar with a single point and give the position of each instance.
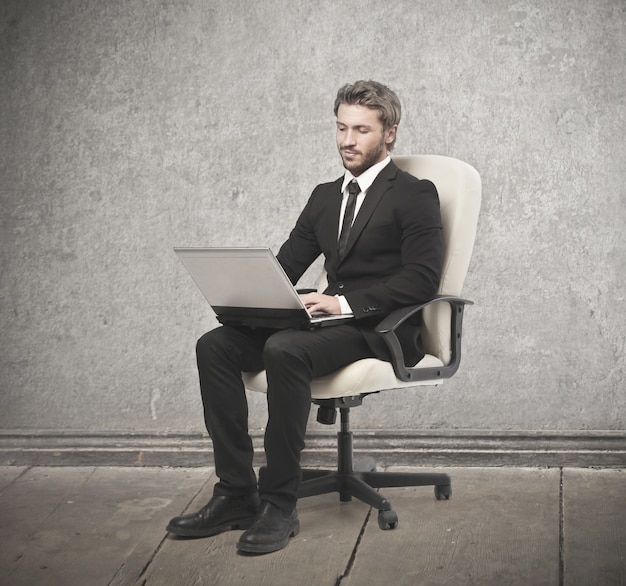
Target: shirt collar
(366, 178)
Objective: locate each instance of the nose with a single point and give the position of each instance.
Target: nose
(349, 138)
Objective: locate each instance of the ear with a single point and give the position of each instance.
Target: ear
(390, 135)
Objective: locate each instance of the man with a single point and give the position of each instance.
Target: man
(379, 229)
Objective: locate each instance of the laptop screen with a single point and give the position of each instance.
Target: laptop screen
(240, 277)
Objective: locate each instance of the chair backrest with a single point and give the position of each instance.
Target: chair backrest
(460, 190)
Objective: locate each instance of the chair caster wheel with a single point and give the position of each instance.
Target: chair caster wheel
(387, 520)
(443, 492)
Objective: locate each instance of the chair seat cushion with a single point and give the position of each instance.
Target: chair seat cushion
(363, 376)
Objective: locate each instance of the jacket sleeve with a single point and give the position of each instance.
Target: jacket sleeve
(301, 247)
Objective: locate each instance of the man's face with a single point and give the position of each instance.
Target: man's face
(361, 139)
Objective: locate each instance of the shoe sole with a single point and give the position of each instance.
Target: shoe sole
(240, 524)
(270, 547)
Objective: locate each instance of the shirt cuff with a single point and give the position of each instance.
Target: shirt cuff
(343, 303)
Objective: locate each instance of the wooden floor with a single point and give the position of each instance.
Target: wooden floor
(503, 526)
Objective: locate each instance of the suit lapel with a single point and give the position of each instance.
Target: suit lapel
(375, 193)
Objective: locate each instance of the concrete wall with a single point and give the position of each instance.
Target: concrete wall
(129, 127)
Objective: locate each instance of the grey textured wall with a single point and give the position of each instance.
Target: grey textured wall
(131, 126)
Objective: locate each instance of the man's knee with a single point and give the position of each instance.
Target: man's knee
(238, 348)
(213, 342)
(283, 346)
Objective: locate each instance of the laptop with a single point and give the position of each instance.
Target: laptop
(248, 287)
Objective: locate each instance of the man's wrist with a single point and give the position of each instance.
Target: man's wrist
(343, 304)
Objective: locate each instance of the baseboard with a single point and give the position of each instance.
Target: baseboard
(602, 449)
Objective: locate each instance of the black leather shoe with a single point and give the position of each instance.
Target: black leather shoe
(271, 530)
(221, 513)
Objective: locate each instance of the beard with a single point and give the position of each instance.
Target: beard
(361, 161)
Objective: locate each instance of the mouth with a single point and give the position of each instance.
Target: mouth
(350, 153)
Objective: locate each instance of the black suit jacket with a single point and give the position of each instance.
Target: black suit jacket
(393, 257)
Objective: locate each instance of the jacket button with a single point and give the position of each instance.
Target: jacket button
(340, 285)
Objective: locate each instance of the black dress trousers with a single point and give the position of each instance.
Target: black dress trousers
(291, 359)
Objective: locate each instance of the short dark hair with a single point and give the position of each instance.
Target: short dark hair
(373, 95)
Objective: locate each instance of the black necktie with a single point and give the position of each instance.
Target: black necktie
(348, 216)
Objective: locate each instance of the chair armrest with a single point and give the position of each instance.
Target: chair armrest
(397, 317)
(386, 328)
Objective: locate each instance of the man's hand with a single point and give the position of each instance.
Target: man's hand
(320, 302)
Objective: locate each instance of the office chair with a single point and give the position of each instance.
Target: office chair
(459, 188)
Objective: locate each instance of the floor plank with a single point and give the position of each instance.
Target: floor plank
(8, 474)
(88, 525)
(317, 556)
(500, 527)
(594, 527)
(25, 507)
